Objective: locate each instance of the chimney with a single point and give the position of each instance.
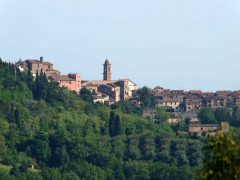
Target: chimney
(41, 59)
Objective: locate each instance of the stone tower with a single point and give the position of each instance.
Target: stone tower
(107, 71)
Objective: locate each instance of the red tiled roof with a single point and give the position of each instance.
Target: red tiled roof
(66, 78)
(35, 61)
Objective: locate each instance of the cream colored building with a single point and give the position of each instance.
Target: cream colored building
(101, 98)
(173, 103)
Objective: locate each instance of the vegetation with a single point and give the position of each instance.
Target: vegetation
(161, 115)
(210, 116)
(222, 158)
(207, 116)
(47, 132)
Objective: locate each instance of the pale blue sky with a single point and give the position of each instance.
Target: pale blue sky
(177, 44)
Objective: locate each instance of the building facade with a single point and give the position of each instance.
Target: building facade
(111, 90)
(71, 82)
(37, 66)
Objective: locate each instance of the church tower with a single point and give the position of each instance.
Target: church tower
(107, 71)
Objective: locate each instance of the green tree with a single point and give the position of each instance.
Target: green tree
(207, 116)
(112, 123)
(86, 95)
(70, 176)
(128, 107)
(146, 98)
(51, 174)
(117, 126)
(221, 115)
(235, 119)
(147, 147)
(222, 158)
(161, 115)
(17, 117)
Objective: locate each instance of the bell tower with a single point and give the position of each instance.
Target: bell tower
(106, 71)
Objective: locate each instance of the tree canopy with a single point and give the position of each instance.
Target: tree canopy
(49, 132)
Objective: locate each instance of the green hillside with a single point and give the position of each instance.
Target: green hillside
(47, 132)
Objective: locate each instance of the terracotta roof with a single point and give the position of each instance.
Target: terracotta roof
(66, 78)
(91, 85)
(99, 82)
(158, 87)
(170, 99)
(36, 61)
(177, 91)
(126, 80)
(195, 92)
(109, 85)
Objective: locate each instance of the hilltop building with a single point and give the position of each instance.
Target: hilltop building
(128, 88)
(37, 66)
(169, 103)
(208, 129)
(116, 90)
(70, 81)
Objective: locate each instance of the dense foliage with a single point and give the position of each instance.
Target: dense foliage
(47, 132)
(211, 116)
(222, 160)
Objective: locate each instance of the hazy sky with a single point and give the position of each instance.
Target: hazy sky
(177, 44)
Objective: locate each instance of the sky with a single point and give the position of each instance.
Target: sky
(176, 44)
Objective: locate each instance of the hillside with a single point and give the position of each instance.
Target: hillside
(47, 132)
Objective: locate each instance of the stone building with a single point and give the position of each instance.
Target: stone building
(101, 98)
(117, 90)
(111, 90)
(158, 91)
(92, 87)
(169, 103)
(37, 66)
(192, 103)
(127, 88)
(71, 82)
(208, 129)
(196, 92)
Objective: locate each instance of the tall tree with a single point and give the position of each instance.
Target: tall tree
(117, 126)
(112, 123)
(17, 117)
(235, 119)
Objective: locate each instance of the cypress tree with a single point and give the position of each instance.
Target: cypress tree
(36, 87)
(117, 126)
(112, 124)
(41, 86)
(17, 117)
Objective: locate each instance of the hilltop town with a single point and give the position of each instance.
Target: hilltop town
(179, 104)
(108, 91)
